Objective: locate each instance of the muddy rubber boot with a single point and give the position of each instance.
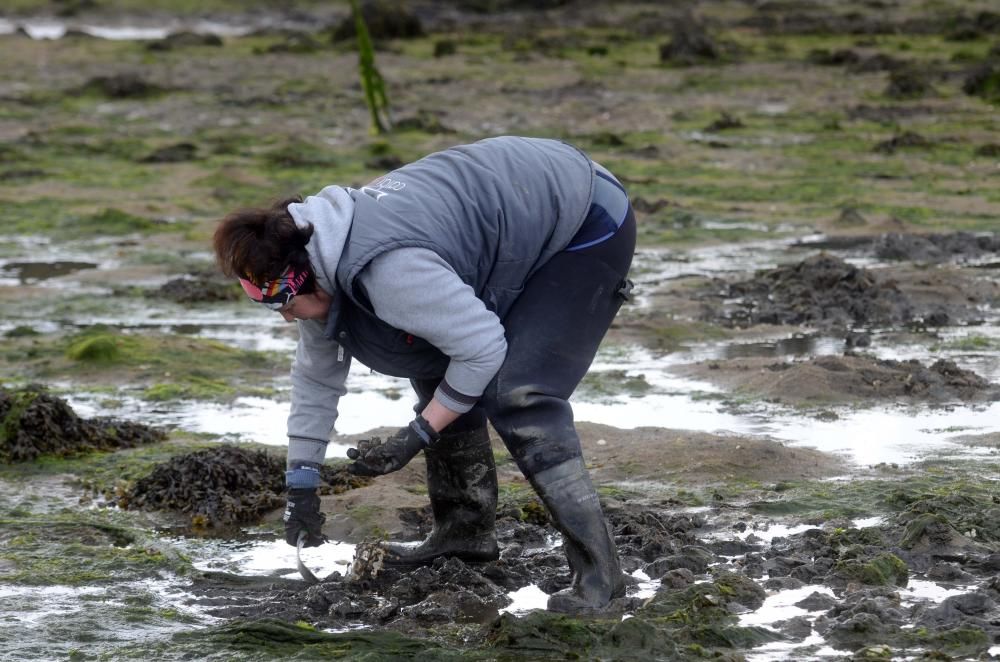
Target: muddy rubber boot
(462, 486)
(576, 511)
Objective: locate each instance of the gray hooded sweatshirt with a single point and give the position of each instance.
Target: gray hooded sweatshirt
(430, 258)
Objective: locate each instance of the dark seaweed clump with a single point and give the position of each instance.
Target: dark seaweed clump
(222, 486)
(34, 423)
(823, 290)
(215, 487)
(198, 290)
(935, 247)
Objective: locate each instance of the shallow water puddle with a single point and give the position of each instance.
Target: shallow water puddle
(781, 606)
(58, 622)
(55, 29)
(276, 558)
(531, 597)
(890, 434)
(12, 273)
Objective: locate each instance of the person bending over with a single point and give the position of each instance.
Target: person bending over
(487, 274)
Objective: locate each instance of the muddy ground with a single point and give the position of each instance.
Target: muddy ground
(806, 175)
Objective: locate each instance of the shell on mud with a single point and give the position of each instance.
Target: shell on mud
(368, 561)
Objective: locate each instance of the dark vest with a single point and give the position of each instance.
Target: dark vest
(495, 210)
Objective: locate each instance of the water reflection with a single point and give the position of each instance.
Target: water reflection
(32, 272)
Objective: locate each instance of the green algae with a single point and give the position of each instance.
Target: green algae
(18, 404)
(106, 474)
(607, 384)
(273, 639)
(169, 366)
(52, 218)
(884, 569)
(102, 348)
(693, 623)
(959, 641)
(963, 492)
(65, 548)
(971, 343)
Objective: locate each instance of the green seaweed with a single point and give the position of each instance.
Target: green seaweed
(170, 366)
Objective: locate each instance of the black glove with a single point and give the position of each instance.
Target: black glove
(374, 457)
(302, 515)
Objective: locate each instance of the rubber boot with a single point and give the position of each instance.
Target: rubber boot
(576, 511)
(462, 485)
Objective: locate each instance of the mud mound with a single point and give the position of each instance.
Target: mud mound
(691, 44)
(905, 140)
(198, 290)
(121, 86)
(848, 379)
(384, 20)
(34, 423)
(935, 247)
(222, 486)
(908, 83)
(822, 290)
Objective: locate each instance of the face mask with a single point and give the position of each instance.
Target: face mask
(276, 293)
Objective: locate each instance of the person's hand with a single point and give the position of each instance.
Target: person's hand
(302, 515)
(375, 457)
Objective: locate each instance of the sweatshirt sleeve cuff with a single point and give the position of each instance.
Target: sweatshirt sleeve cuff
(303, 475)
(454, 400)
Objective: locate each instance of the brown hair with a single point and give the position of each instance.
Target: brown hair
(259, 243)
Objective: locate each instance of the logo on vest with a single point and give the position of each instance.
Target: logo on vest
(382, 187)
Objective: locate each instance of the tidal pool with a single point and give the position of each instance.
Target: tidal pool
(51, 28)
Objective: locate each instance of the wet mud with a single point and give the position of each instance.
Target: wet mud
(851, 378)
(822, 290)
(927, 248)
(826, 292)
(34, 423)
(712, 568)
(206, 286)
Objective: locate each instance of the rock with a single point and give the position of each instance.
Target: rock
(689, 44)
(816, 601)
(957, 610)
(121, 86)
(907, 83)
(905, 140)
(989, 150)
(782, 566)
(783, 583)
(725, 121)
(948, 572)
(176, 153)
(184, 40)
(384, 20)
(677, 578)
(850, 217)
(796, 628)
(983, 81)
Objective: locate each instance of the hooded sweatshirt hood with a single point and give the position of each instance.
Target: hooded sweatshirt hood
(330, 213)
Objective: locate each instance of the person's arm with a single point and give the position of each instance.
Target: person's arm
(438, 416)
(319, 374)
(415, 290)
